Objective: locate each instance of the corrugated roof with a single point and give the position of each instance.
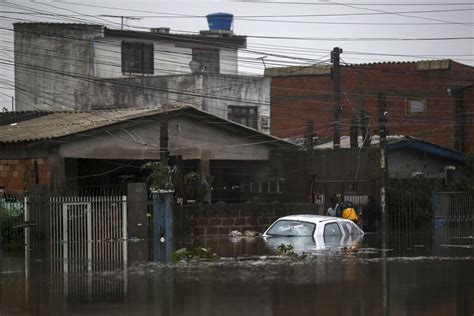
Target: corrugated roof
(401, 141)
(59, 124)
(18, 116)
(430, 64)
(345, 141)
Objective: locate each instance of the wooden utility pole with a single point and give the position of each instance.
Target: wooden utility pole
(336, 78)
(122, 18)
(383, 159)
(383, 174)
(309, 135)
(164, 152)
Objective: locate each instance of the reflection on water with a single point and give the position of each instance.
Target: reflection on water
(426, 273)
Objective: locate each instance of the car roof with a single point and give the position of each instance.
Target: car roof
(310, 218)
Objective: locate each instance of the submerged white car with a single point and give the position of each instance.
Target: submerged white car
(307, 233)
(312, 226)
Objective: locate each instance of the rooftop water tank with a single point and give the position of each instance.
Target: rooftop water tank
(220, 21)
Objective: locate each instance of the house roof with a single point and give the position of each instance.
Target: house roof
(59, 124)
(55, 125)
(324, 69)
(215, 38)
(395, 142)
(7, 118)
(206, 38)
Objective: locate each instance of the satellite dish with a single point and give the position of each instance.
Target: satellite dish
(196, 67)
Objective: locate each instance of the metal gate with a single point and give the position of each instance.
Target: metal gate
(89, 229)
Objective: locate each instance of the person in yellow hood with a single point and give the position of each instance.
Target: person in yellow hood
(347, 211)
(350, 213)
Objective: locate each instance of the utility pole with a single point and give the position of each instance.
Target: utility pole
(354, 132)
(309, 134)
(121, 17)
(383, 170)
(383, 159)
(336, 77)
(164, 152)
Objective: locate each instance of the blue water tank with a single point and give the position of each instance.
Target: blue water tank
(220, 21)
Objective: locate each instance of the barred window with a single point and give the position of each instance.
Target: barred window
(245, 115)
(416, 107)
(137, 58)
(208, 59)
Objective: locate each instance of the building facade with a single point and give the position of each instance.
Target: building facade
(63, 67)
(429, 100)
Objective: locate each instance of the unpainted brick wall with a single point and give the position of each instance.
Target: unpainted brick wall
(220, 218)
(295, 99)
(16, 173)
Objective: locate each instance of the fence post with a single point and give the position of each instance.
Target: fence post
(162, 225)
(124, 227)
(27, 219)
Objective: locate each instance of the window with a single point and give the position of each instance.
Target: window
(292, 229)
(245, 115)
(332, 229)
(416, 106)
(208, 59)
(137, 58)
(346, 228)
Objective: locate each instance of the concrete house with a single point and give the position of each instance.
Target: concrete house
(65, 67)
(65, 149)
(431, 100)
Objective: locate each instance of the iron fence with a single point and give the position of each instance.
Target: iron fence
(12, 210)
(452, 207)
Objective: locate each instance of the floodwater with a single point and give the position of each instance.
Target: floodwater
(424, 273)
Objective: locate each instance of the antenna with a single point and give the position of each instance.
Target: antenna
(122, 18)
(263, 61)
(197, 67)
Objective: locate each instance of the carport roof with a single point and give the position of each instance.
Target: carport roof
(55, 125)
(59, 124)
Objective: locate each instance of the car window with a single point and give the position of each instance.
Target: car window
(332, 229)
(346, 227)
(291, 228)
(354, 228)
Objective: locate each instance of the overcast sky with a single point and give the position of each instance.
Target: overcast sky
(305, 31)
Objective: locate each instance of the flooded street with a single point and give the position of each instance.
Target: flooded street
(428, 273)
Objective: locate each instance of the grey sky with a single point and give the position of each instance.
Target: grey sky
(355, 26)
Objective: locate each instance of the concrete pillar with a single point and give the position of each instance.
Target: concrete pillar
(57, 167)
(137, 220)
(39, 213)
(137, 208)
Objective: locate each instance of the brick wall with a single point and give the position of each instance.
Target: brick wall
(221, 218)
(295, 99)
(16, 173)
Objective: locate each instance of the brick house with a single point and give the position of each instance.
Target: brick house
(431, 100)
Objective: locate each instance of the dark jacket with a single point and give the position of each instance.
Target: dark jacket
(370, 213)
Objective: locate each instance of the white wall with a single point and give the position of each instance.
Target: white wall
(228, 61)
(169, 59)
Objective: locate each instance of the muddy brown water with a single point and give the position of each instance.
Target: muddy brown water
(423, 273)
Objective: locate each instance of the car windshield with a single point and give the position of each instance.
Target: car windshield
(291, 228)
